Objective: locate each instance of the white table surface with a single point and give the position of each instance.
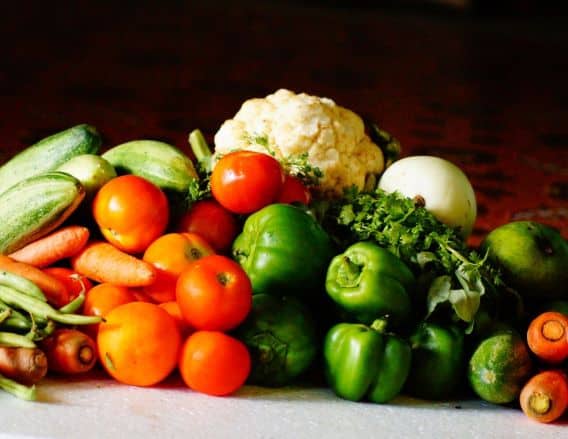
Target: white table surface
(97, 407)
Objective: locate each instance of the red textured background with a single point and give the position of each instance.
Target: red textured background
(488, 93)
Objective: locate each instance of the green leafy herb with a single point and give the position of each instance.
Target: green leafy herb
(298, 164)
(459, 276)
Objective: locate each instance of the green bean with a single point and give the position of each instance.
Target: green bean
(16, 340)
(40, 309)
(4, 314)
(22, 284)
(15, 321)
(37, 334)
(74, 305)
(19, 390)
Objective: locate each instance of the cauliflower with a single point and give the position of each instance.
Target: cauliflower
(289, 125)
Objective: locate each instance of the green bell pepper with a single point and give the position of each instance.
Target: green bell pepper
(437, 361)
(281, 336)
(370, 282)
(365, 362)
(284, 251)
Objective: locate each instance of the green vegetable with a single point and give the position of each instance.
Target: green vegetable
(364, 362)
(437, 361)
(19, 390)
(42, 310)
(281, 337)
(48, 154)
(15, 340)
(499, 367)
(452, 273)
(370, 282)
(533, 258)
(161, 163)
(389, 145)
(200, 188)
(21, 284)
(35, 206)
(284, 251)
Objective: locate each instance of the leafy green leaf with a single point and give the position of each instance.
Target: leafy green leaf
(439, 292)
(465, 303)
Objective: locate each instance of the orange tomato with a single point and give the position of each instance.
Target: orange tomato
(170, 254)
(214, 293)
(213, 222)
(131, 212)
(214, 363)
(139, 343)
(73, 281)
(103, 298)
(173, 309)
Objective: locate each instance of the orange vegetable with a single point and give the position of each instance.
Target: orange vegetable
(139, 343)
(69, 351)
(547, 336)
(131, 212)
(170, 254)
(103, 298)
(103, 262)
(214, 363)
(544, 397)
(60, 244)
(24, 365)
(54, 290)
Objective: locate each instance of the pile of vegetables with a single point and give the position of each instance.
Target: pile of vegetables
(238, 268)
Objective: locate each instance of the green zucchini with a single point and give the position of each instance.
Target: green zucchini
(35, 206)
(160, 163)
(49, 153)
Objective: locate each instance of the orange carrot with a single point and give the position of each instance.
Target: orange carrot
(69, 351)
(544, 397)
(54, 290)
(60, 244)
(547, 336)
(103, 262)
(24, 365)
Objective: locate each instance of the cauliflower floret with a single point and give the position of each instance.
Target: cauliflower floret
(288, 125)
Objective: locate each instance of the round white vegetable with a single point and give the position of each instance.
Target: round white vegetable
(442, 186)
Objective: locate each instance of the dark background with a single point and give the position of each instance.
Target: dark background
(479, 84)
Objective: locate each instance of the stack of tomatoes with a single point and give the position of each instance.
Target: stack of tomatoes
(181, 318)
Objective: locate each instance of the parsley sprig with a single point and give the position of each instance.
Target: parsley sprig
(298, 165)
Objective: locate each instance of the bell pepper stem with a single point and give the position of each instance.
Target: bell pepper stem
(348, 273)
(379, 325)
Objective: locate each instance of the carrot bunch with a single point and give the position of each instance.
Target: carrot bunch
(544, 397)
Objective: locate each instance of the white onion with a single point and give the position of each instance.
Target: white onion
(444, 188)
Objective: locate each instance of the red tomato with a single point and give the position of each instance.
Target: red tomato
(214, 363)
(74, 282)
(245, 181)
(131, 212)
(212, 222)
(294, 191)
(214, 293)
